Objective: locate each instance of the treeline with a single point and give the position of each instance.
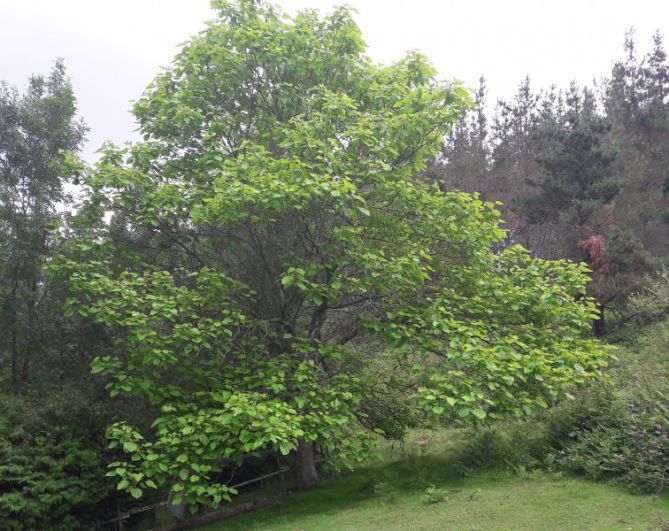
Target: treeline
(245, 304)
(52, 413)
(582, 172)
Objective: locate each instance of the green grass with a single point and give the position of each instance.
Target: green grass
(390, 494)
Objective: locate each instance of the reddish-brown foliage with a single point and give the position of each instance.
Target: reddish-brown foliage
(593, 249)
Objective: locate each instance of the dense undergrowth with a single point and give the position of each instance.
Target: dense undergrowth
(51, 478)
(618, 430)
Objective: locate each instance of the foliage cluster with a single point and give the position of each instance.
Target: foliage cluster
(617, 431)
(624, 438)
(49, 475)
(651, 304)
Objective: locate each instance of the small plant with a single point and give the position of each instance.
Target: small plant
(434, 494)
(386, 491)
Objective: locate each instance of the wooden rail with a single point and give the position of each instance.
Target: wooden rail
(138, 510)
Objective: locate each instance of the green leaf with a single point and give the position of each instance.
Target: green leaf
(479, 413)
(129, 446)
(285, 448)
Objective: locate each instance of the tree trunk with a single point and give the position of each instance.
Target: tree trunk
(305, 468)
(16, 376)
(599, 324)
(16, 373)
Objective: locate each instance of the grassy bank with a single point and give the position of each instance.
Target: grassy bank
(419, 488)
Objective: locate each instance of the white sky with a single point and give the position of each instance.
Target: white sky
(112, 49)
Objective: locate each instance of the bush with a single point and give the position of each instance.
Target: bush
(386, 491)
(634, 455)
(50, 479)
(517, 445)
(433, 494)
(651, 304)
(620, 435)
(620, 431)
(566, 423)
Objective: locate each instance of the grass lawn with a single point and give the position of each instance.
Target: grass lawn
(391, 494)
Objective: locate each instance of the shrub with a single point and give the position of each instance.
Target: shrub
(516, 445)
(566, 423)
(50, 478)
(621, 435)
(386, 491)
(652, 303)
(433, 494)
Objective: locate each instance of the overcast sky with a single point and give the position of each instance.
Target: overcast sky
(112, 49)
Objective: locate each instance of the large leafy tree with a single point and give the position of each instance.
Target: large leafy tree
(36, 129)
(273, 269)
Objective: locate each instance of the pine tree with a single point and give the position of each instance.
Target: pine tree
(465, 160)
(635, 99)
